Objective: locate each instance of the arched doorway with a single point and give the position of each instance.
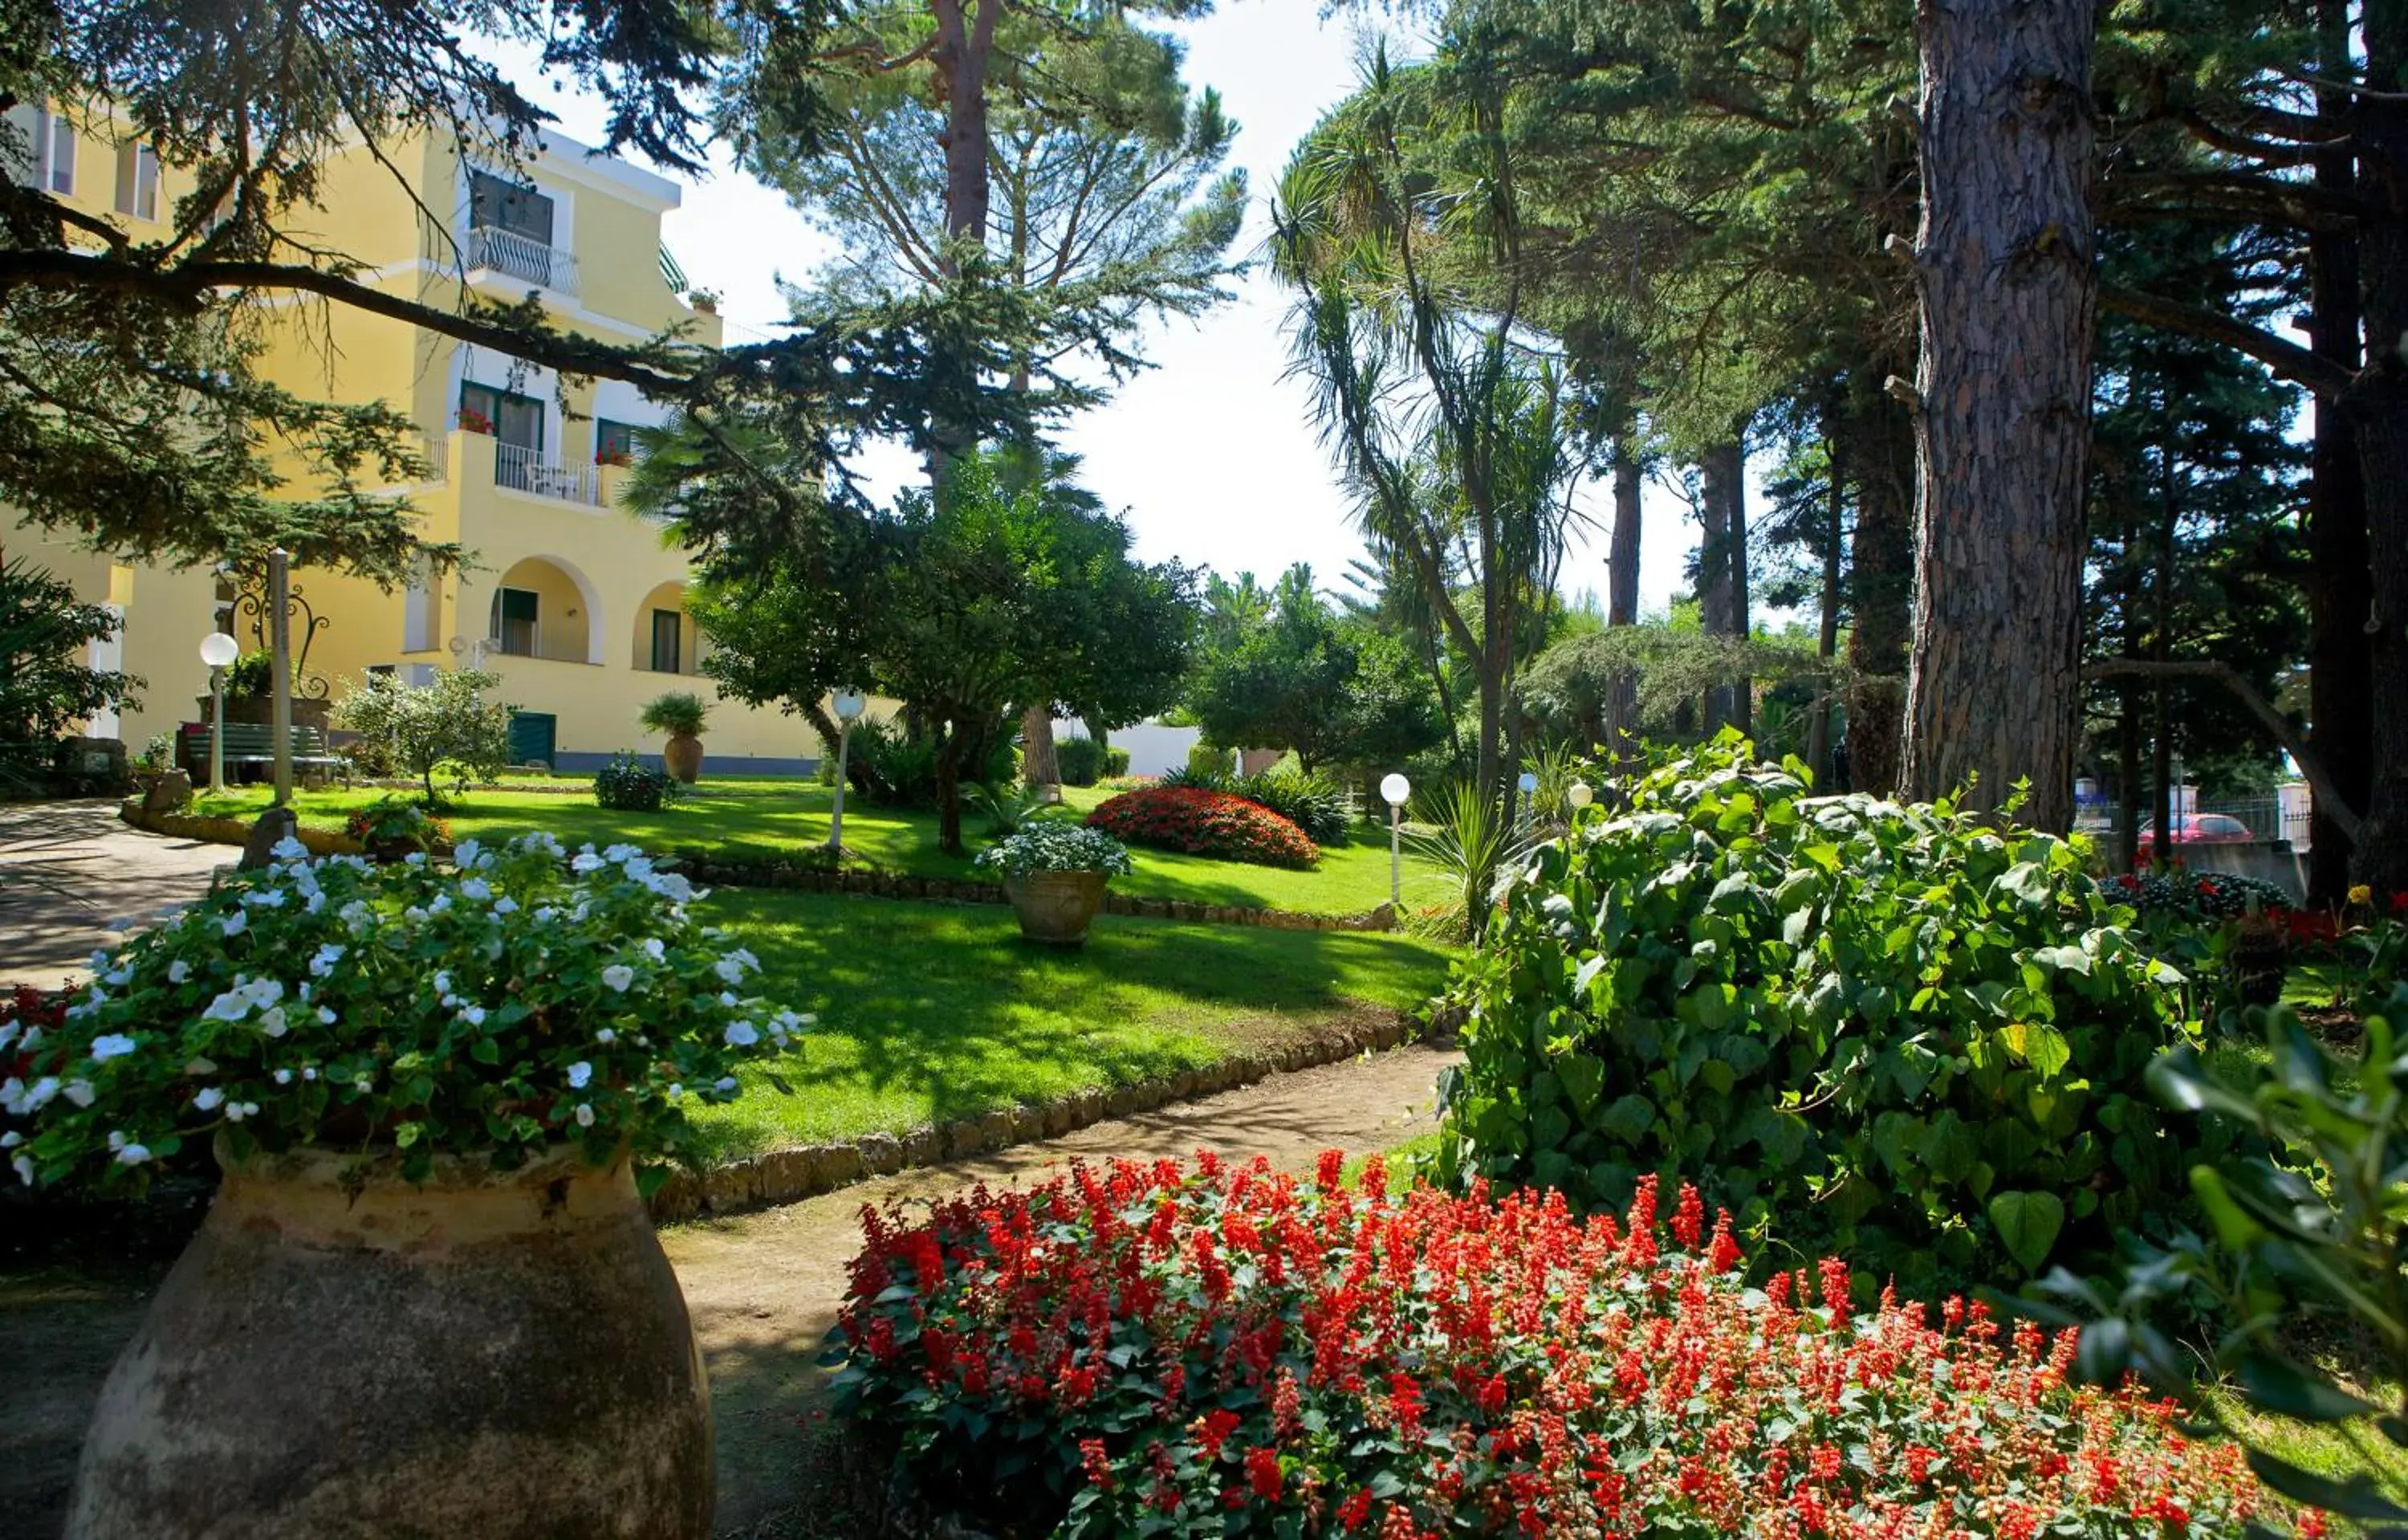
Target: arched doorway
(544, 607)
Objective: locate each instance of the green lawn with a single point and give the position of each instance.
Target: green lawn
(765, 816)
(935, 1011)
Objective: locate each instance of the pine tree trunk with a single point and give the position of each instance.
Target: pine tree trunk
(1881, 577)
(2004, 264)
(1826, 634)
(2379, 405)
(2338, 585)
(1621, 588)
(1722, 485)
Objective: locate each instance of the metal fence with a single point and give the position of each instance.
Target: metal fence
(515, 256)
(525, 469)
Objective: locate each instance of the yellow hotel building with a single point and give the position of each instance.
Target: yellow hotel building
(575, 603)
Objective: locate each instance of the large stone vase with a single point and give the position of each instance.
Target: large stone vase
(682, 756)
(496, 1356)
(1056, 907)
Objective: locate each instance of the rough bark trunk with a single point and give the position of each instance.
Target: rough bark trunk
(2007, 292)
(2338, 584)
(1621, 588)
(1722, 572)
(2379, 405)
(1827, 635)
(2127, 779)
(1881, 577)
(949, 789)
(1039, 770)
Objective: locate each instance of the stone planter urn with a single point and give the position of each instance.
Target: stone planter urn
(1055, 907)
(495, 1355)
(682, 756)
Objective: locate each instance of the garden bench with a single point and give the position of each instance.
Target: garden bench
(254, 744)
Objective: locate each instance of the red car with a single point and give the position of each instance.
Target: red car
(2201, 828)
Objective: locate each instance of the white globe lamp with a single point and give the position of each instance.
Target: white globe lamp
(219, 651)
(1394, 790)
(848, 706)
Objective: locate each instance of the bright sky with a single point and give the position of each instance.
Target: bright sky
(1212, 455)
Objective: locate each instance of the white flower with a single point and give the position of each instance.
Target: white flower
(464, 855)
(442, 980)
(24, 1165)
(622, 851)
(237, 1111)
(676, 1091)
(653, 948)
(288, 849)
(584, 1114)
(283, 1077)
(579, 1073)
(8, 1030)
(505, 905)
(727, 998)
(476, 889)
(264, 898)
(606, 1035)
(670, 884)
(233, 1005)
(474, 1016)
(416, 858)
(10, 1140)
(317, 901)
(234, 924)
(273, 1022)
(442, 904)
(98, 963)
(132, 1155)
(117, 1139)
(322, 962)
(117, 976)
(586, 861)
(23, 1100)
(365, 1084)
(617, 977)
(742, 1034)
(730, 969)
(200, 1064)
(179, 971)
(111, 1046)
(309, 1072)
(725, 1084)
(209, 1098)
(326, 1014)
(77, 1091)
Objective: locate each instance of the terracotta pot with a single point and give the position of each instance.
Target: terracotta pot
(682, 757)
(1055, 907)
(499, 1355)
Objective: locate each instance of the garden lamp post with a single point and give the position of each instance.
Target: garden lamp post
(279, 643)
(217, 651)
(1394, 789)
(848, 704)
(1528, 786)
(1580, 795)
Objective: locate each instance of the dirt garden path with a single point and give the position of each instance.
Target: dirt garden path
(764, 1288)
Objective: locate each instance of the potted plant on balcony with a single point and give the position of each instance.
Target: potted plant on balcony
(679, 714)
(1053, 872)
(428, 1299)
(473, 421)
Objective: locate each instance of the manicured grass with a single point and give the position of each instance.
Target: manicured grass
(734, 817)
(929, 1012)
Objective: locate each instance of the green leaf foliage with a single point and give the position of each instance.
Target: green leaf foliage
(1919, 1039)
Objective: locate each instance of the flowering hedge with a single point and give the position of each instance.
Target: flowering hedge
(1205, 823)
(2207, 895)
(1147, 1350)
(526, 998)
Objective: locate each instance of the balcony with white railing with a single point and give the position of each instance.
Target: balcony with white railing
(496, 252)
(522, 469)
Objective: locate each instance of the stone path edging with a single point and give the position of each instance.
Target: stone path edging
(718, 871)
(781, 1177)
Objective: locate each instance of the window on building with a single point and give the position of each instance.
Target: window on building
(495, 204)
(49, 143)
(614, 443)
(669, 637)
(514, 621)
(137, 182)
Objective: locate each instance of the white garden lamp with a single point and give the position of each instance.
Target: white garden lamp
(217, 651)
(1580, 793)
(848, 705)
(1394, 789)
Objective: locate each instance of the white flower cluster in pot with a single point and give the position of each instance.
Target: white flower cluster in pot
(1052, 845)
(520, 999)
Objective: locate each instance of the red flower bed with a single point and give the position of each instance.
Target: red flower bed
(23, 1008)
(1205, 823)
(1147, 1350)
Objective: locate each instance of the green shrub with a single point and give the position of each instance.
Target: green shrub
(627, 785)
(1080, 760)
(1116, 763)
(1204, 759)
(1911, 1035)
(904, 769)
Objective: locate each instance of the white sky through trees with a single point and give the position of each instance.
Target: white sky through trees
(1212, 454)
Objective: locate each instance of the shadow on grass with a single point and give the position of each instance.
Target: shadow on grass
(930, 1010)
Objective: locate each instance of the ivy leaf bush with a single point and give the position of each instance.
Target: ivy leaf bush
(1217, 1351)
(627, 785)
(1205, 823)
(1908, 1035)
(526, 998)
(1053, 845)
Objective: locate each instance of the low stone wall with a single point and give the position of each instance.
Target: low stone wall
(782, 1176)
(719, 871)
(227, 831)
